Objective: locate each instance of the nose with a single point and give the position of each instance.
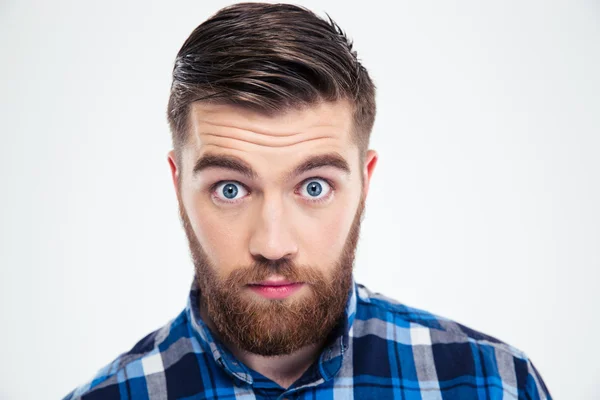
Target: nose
(272, 237)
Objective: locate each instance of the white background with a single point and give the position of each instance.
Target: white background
(484, 207)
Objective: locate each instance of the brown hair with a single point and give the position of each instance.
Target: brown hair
(269, 58)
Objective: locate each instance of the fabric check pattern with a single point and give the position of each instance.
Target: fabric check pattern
(381, 349)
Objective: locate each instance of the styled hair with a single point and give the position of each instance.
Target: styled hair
(269, 58)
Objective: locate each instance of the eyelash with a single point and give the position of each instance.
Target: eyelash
(213, 188)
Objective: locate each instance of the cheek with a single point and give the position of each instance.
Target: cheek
(324, 237)
(222, 239)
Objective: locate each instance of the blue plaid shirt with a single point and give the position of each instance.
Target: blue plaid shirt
(380, 350)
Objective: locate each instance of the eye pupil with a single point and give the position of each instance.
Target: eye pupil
(314, 189)
(230, 191)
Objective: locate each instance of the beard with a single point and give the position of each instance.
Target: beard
(274, 327)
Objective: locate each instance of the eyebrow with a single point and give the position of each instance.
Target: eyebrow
(233, 163)
(224, 162)
(334, 160)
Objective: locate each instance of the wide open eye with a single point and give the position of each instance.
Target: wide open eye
(315, 189)
(230, 191)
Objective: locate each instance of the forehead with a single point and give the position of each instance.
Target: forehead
(270, 142)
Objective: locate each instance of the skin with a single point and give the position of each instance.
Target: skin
(273, 217)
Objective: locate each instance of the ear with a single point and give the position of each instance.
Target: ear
(175, 172)
(370, 163)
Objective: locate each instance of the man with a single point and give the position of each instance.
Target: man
(271, 113)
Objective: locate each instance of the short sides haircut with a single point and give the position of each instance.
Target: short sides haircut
(269, 58)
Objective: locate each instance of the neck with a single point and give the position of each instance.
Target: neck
(284, 370)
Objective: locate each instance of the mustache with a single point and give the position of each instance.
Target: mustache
(261, 270)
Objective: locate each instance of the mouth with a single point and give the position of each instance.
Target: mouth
(275, 289)
(274, 282)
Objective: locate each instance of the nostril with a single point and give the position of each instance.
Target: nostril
(273, 263)
(266, 251)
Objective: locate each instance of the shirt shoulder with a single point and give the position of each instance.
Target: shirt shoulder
(373, 306)
(135, 366)
(444, 350)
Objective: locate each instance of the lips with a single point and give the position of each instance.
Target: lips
(275, 289)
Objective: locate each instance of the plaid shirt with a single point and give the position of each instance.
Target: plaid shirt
(380, 350)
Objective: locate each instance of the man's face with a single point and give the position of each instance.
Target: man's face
(271, 207)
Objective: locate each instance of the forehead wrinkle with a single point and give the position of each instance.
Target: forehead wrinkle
(264, 143)
(321, 114)
(257, 139)
(270, 133)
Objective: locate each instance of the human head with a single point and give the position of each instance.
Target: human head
(270, 113)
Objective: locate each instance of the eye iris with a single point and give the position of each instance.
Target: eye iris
(314, 189)
(230, 191)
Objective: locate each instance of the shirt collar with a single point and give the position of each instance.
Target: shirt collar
(330, 360)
